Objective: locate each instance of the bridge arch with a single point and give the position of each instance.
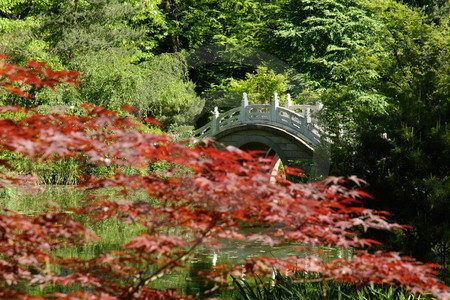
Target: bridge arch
(291, 150)
(290, 132)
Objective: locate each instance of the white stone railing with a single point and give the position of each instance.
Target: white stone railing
(296, 119)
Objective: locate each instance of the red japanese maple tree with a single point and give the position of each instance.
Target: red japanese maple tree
(15, 79)
(206, 193)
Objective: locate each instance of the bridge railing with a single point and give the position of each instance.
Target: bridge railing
(297, 119)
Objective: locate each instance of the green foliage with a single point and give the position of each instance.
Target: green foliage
(158, 88)
(195, 23)
(6, 6)
(316, 36)
(104, 40)
(100, 44)
(60, 172)
(305, 287)
(394, 109)
(21, 9)
(19, 43)
(76, 29)
(323, 40)
(261, 85)
(434, 10)
(173, 96)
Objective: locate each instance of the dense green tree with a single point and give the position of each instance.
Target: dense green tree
(23, 9)
(405, 154)
(104, 40)
(18, 42)
(76, 28)
(195, 23)
(434, 10)
(159, 88)
(382, 71)
(316, 36)
(18, 22)
(321, 39)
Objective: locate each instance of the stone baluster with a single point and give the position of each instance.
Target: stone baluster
(274, 107)
(243, 116)
(308, 115)
(215, 121)
(288, 101)
(319, 105)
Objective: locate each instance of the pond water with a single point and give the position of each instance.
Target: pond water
(114, 233)
(233, 253)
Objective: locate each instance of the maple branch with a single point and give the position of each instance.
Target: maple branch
(36, 74)
(161, 271)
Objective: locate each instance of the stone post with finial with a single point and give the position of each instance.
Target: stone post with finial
(244, 104)
(308, 115)
(274, 107)
(288, 101)
(215, 121)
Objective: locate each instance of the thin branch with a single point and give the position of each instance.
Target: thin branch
(161, 271)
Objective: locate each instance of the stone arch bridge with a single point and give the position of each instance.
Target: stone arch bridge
(289, 133)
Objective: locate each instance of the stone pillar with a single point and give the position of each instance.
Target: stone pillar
(215, 121)
(288, 101)
(244, 105)
(308, 115)
(319, 105)
(274, 108)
